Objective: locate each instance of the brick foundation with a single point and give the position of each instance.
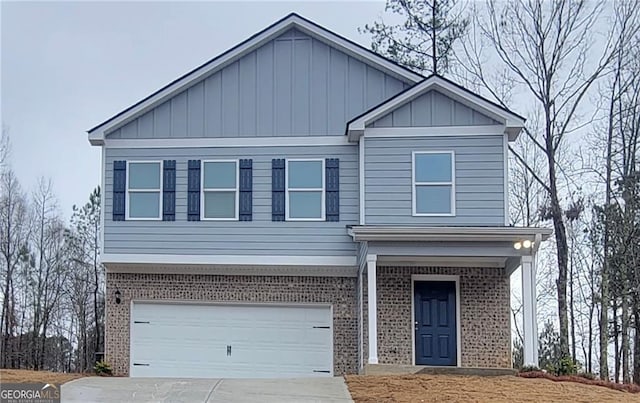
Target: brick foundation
(338, 291)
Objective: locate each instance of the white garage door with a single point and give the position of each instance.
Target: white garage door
(230, 341)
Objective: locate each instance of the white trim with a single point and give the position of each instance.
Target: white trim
(158, 190)
(322, 190)
(203, 190)
(513, 122)
(234, 270)
(96, 136)
(451, 183)
(505, 145)
(361, 180)
(103, 164)
(293, 141)
(437, 277)
(247, 304)
(372, 308)
(434, 131)
(529, 316)
(471, 234)
(259, 260)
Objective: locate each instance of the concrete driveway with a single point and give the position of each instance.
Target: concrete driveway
(97, 389)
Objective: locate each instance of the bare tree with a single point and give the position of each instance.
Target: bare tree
(547, 50)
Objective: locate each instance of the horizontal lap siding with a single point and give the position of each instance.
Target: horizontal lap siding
(479, 179)
(258, 237)
(293, 85)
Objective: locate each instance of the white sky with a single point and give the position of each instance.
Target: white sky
(68, 66)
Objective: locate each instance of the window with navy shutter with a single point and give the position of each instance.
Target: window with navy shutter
(169, 190)
(193, 190)
(119, 189)
(332, 195)
(246, 190)
(277, 189)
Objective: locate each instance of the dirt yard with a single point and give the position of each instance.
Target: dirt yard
(24, 376)
(503, 389)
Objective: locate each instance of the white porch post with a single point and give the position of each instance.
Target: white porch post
(372, 302)
(529, 308)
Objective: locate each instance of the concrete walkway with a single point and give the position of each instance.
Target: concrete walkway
(97, 389)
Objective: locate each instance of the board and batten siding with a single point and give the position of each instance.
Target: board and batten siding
(294, 85)
(479, 180)
(258, 237)
(433, 109)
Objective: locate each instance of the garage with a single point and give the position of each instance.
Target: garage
(230, 340)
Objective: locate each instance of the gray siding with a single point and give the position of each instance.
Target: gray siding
(258, 237)
(479, 180)
(433, 109)
(293, 85)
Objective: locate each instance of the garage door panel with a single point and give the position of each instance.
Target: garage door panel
(191, 340)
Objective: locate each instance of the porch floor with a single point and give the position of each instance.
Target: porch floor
(393, 369)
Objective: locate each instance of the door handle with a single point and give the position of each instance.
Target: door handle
(228, 351)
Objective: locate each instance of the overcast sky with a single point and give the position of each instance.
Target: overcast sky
(69, 66)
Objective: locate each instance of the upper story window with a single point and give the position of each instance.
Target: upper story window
(305, 190)
(144, 186)
(220, 190)
(433, 183)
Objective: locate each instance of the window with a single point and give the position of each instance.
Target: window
(220, 190)
(433, 183)
(305, 190)
(144, 185)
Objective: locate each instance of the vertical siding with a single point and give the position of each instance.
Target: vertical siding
(433, 109)
(293, 85)
(479, 180)
(258, 237)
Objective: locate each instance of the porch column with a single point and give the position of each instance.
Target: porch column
(372, 302)
(529, 309)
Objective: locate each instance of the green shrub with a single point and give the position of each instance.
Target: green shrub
(530, 368)
(103, 368)
(565, 366)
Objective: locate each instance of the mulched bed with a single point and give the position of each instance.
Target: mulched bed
(631, 388)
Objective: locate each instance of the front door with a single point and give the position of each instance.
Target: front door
(435, 322)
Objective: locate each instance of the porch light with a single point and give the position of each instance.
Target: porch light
(117, 295)
(526, 243)
(517, 245)
(523, 244)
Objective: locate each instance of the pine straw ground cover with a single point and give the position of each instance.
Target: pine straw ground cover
(26, 376)
(501, 389)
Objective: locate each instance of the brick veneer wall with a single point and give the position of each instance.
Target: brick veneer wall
(484, 309)
(338, 291)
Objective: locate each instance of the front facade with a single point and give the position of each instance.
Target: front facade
(300, 206)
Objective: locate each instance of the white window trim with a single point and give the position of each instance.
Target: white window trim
(451, 183)
(159, 191)
(323, 190)
(202, 190)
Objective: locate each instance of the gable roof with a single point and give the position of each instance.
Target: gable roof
(293, 20)
(512, 121)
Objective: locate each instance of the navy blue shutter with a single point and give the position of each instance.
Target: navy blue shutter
(119, 189)
(246, 190)
(277, 189)
(332, 192)
(193, 191)
(169, 190)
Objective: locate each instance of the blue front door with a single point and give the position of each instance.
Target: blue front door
(435, 322)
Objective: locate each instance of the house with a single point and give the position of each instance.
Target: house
(301, 206)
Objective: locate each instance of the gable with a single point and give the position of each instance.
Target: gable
(292, 85)
(433, 108)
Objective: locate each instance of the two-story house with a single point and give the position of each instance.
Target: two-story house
(302, 206)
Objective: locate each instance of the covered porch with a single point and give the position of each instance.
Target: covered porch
(439, 297)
